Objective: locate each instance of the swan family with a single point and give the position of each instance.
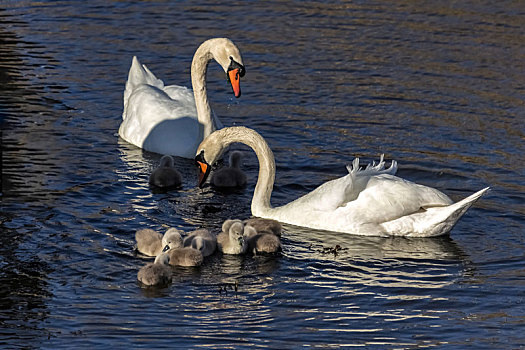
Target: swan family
(176, 121)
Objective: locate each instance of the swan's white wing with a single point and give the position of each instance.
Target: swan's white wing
(338, 192)
(435, 221)
(162, 124)
(138, 75)
(387, 197)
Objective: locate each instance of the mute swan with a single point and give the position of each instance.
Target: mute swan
(156, 273)
(185, 257)
(202, 240)
(165, 176)
(231, 239)
(265, 225)
(261, 242)
(171, 119)
(369, 201)
(153, 243)
(232, 176)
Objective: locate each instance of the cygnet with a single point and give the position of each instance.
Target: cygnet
(263, 242)
(202, 240)
(156, 273)
(231, 239)
(185, 257)
(165, 176)
(265, 225)
(153, 243)
(232, 176)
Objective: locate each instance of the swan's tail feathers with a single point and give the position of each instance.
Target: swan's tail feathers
(373, 168)
(435, 221)
(354, 167)
(139, 74)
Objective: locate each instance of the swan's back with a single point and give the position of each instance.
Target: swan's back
(152, 112)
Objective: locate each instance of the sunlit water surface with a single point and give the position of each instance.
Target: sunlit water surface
(438, 87)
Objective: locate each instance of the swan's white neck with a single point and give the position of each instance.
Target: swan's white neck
(199, 67)
(263, 188)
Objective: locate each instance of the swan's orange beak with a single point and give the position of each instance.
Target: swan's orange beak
(204, 170)
(235, 80)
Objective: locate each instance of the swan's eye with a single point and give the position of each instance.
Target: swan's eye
(235, 65)
(200, 158)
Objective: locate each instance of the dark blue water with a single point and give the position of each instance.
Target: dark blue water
(439, 87)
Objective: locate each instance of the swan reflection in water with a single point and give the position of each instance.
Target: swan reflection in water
(358, 261)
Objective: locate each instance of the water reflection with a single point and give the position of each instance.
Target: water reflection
(24, 283)
(347, 263)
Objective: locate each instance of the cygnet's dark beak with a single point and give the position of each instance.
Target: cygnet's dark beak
(166, 248)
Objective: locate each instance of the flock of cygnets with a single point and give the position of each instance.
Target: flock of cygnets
(237, 237)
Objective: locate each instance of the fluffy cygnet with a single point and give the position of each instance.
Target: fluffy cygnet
(261, 242)
(165, 176)
(265, 225)
(153, 243)
(231, 239)
(232, 176)
(202, 240)
(156, 273)
(185, 257)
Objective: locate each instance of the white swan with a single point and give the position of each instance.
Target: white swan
(170, 119)
(369, 201)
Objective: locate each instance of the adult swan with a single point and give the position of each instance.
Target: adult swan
(370, 201)
(170, 119)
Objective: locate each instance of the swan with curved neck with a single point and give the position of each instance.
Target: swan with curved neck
(171, 119)
(370, 201)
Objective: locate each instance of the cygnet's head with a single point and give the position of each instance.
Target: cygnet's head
(198, 243)
(228, 223)
(249, 231)
(163, 258)
(235, 159)
(167, 162)
(237, 232)
(171, 239)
